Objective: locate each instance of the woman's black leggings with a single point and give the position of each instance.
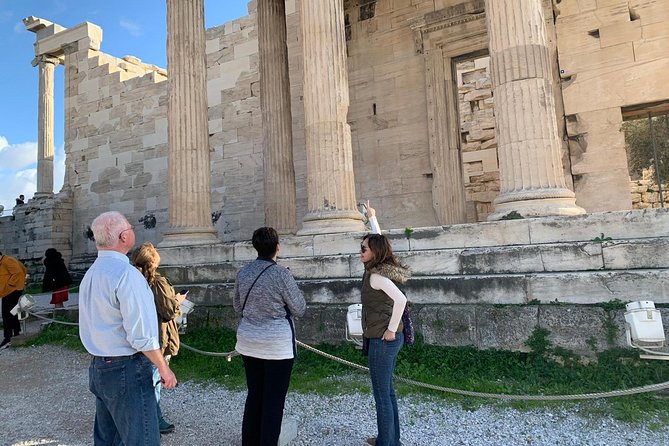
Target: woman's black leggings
(267, 381)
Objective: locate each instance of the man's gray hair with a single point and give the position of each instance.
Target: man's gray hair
(107, 227)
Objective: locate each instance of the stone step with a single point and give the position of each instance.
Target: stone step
(649, 253)
(587, 287)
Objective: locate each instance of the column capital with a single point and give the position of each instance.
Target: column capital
(46, 58)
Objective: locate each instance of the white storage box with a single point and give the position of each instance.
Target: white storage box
(644, 323)
(354, 323)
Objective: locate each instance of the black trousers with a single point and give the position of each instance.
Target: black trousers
(267, 382)
(9, 321)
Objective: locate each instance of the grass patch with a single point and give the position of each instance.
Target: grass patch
(460, 368)
(59, 334)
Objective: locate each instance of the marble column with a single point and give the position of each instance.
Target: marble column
(279, 182)
(45, 151)
(330, 180)
(530, 164)
(189, 171)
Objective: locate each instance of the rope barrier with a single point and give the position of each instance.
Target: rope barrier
(653, 352)
(585, 396)
(49, 293)
(52, 320)
(226, 355)
(500, 396)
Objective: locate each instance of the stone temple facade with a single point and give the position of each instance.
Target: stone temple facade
(450, 116)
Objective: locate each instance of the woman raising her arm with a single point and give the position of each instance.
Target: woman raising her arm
(382, 307)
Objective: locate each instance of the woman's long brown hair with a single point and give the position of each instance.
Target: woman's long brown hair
(382, 252)
(146, 260)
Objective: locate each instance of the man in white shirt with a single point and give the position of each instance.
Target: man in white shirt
(118, 326)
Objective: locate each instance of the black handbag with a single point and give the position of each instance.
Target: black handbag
(409, 337)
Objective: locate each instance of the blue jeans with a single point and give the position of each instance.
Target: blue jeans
(382, 359)
(157, 383)
(125, 405)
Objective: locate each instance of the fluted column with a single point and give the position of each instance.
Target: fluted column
(189, 177)
(530, 166)
(330, 180)
(279, 180)
(45, 151)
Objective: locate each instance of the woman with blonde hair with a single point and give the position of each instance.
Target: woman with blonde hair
(168, 308)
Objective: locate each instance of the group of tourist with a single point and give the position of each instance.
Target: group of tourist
(13, 275)
(127, 322)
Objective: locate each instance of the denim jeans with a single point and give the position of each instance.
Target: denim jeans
(125, 405)
(382, 359)
(157, 383)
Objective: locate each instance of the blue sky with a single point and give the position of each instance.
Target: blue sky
(136, 28)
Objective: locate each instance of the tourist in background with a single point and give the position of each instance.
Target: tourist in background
(12, 281)
(267, 297)
(56, 277)
(168, 308)
(119, 328)
(382, 307)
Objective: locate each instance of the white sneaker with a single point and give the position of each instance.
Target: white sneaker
(5, 344)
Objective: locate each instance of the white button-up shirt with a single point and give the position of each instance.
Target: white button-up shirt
(117, 314)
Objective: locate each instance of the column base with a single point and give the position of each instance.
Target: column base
(43, 195)
(330, 222)
(189, 237)
(538, 207)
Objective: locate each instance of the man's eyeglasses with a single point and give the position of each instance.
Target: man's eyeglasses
(121, 233)
(363, 249)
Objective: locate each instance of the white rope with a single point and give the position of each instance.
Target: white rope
(51, 320)
(582, 396)
(49, 293)
(652, 352)
(226, 355)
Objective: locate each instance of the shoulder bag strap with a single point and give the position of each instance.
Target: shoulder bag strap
(254, 282)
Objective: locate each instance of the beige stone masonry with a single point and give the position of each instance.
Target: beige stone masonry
(604, 58)
(87, 33)
(651, 49)
(617, 33)
(652, 30)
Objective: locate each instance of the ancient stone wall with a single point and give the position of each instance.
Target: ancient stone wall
(235, 127)
(646, 193)
(485, 284)
(612, 54)
(388, 112)
(32, 228)
(477, 137)
(115, 143)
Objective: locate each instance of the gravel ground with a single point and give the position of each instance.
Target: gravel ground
(45, 401)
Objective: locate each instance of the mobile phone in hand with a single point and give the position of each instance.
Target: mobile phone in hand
(184, 292)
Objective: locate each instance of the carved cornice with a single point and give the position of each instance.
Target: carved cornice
(445, 18)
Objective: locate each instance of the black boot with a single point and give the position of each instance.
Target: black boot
(165, 426)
